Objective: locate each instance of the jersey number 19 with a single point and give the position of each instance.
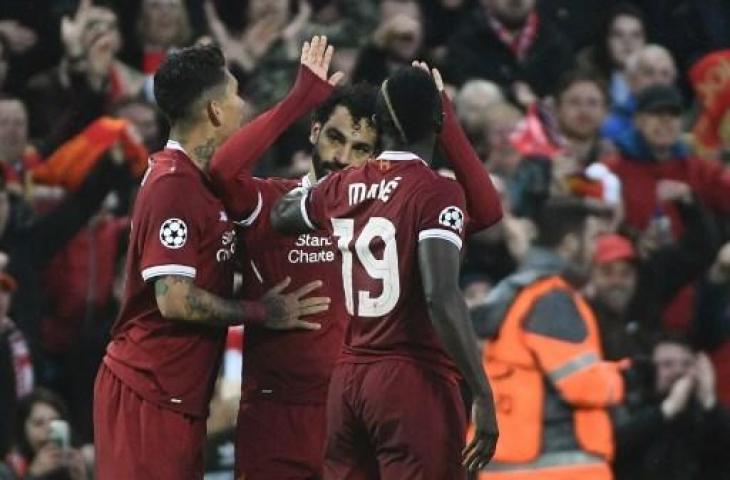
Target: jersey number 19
(384, 269)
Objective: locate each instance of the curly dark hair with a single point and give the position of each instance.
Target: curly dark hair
(185, 76)
(359, 99)
(409, 106)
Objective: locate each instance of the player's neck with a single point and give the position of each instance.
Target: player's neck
(199, 145)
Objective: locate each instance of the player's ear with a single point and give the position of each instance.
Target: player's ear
(215, 113)
(314, 133)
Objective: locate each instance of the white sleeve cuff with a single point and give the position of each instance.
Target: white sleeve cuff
(172, 269)
(248, 221)
(305, 215)
(440, 233)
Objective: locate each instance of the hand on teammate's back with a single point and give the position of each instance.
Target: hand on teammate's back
(481, 448)
(317, 56)
(285, 310)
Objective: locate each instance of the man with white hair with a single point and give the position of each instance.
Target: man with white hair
(473, 102)
(652, 65)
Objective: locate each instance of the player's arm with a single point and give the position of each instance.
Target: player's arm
(179, 299)
(232, 163)
(290, 214)
(482, 200)
(439, 261)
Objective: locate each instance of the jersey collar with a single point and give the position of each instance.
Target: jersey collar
(175, 145)
(398, 156)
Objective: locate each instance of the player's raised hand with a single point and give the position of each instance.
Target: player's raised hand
(481, 448)
(433, 72)
(285, 310)
(317, 56)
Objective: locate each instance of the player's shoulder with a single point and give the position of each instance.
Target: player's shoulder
(437, 183)
(168, 171)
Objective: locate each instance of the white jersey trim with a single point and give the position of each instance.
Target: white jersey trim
(172, 269)
(440, 233)
(396, 156)
(305, 215)
(248, 221)
(175, 145)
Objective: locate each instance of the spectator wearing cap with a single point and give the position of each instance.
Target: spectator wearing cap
(653, 163)
(509, 43)
(629, 287)
(678, 431)
(652, 65)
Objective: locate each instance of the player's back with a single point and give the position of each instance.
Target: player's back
(378, 213)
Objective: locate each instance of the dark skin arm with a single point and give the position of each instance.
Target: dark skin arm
(179, 299)
(439, 262)
(286, 216)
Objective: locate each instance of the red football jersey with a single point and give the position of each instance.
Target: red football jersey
(292, 366)
(179, 227)
(377, 214)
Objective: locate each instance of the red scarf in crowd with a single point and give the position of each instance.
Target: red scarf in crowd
(20, 354)
(520, 43)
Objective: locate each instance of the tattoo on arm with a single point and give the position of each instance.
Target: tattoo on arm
(184, 301)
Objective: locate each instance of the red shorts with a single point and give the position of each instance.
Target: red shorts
(138, 440)
(393, 420)
(280, 441)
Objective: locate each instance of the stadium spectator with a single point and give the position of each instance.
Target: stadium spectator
(581, 104)
(621, 36)
(688, 28)
(265, 55)
(506, 42)
(579, 21)
(652, 65)
(680, 431)
(473, 103)
(568, 164)
(88, 79)
(38, 454)
(711, 329)
(711, 86)
(543, 356)
(80, 311)
(145, 118)
(16, 155)
(629, 289)
(396, 42)
(162, 25)
(441, 19)
(475, 288)
(31, 241)
(16, 367)
(653, 159)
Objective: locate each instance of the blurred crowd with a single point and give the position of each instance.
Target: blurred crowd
(620, 107)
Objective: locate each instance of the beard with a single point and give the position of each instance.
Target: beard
(617, 299)
(323, 168)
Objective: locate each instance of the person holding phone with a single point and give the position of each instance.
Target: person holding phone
(42, 441)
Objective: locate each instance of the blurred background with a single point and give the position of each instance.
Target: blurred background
(619, 105)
